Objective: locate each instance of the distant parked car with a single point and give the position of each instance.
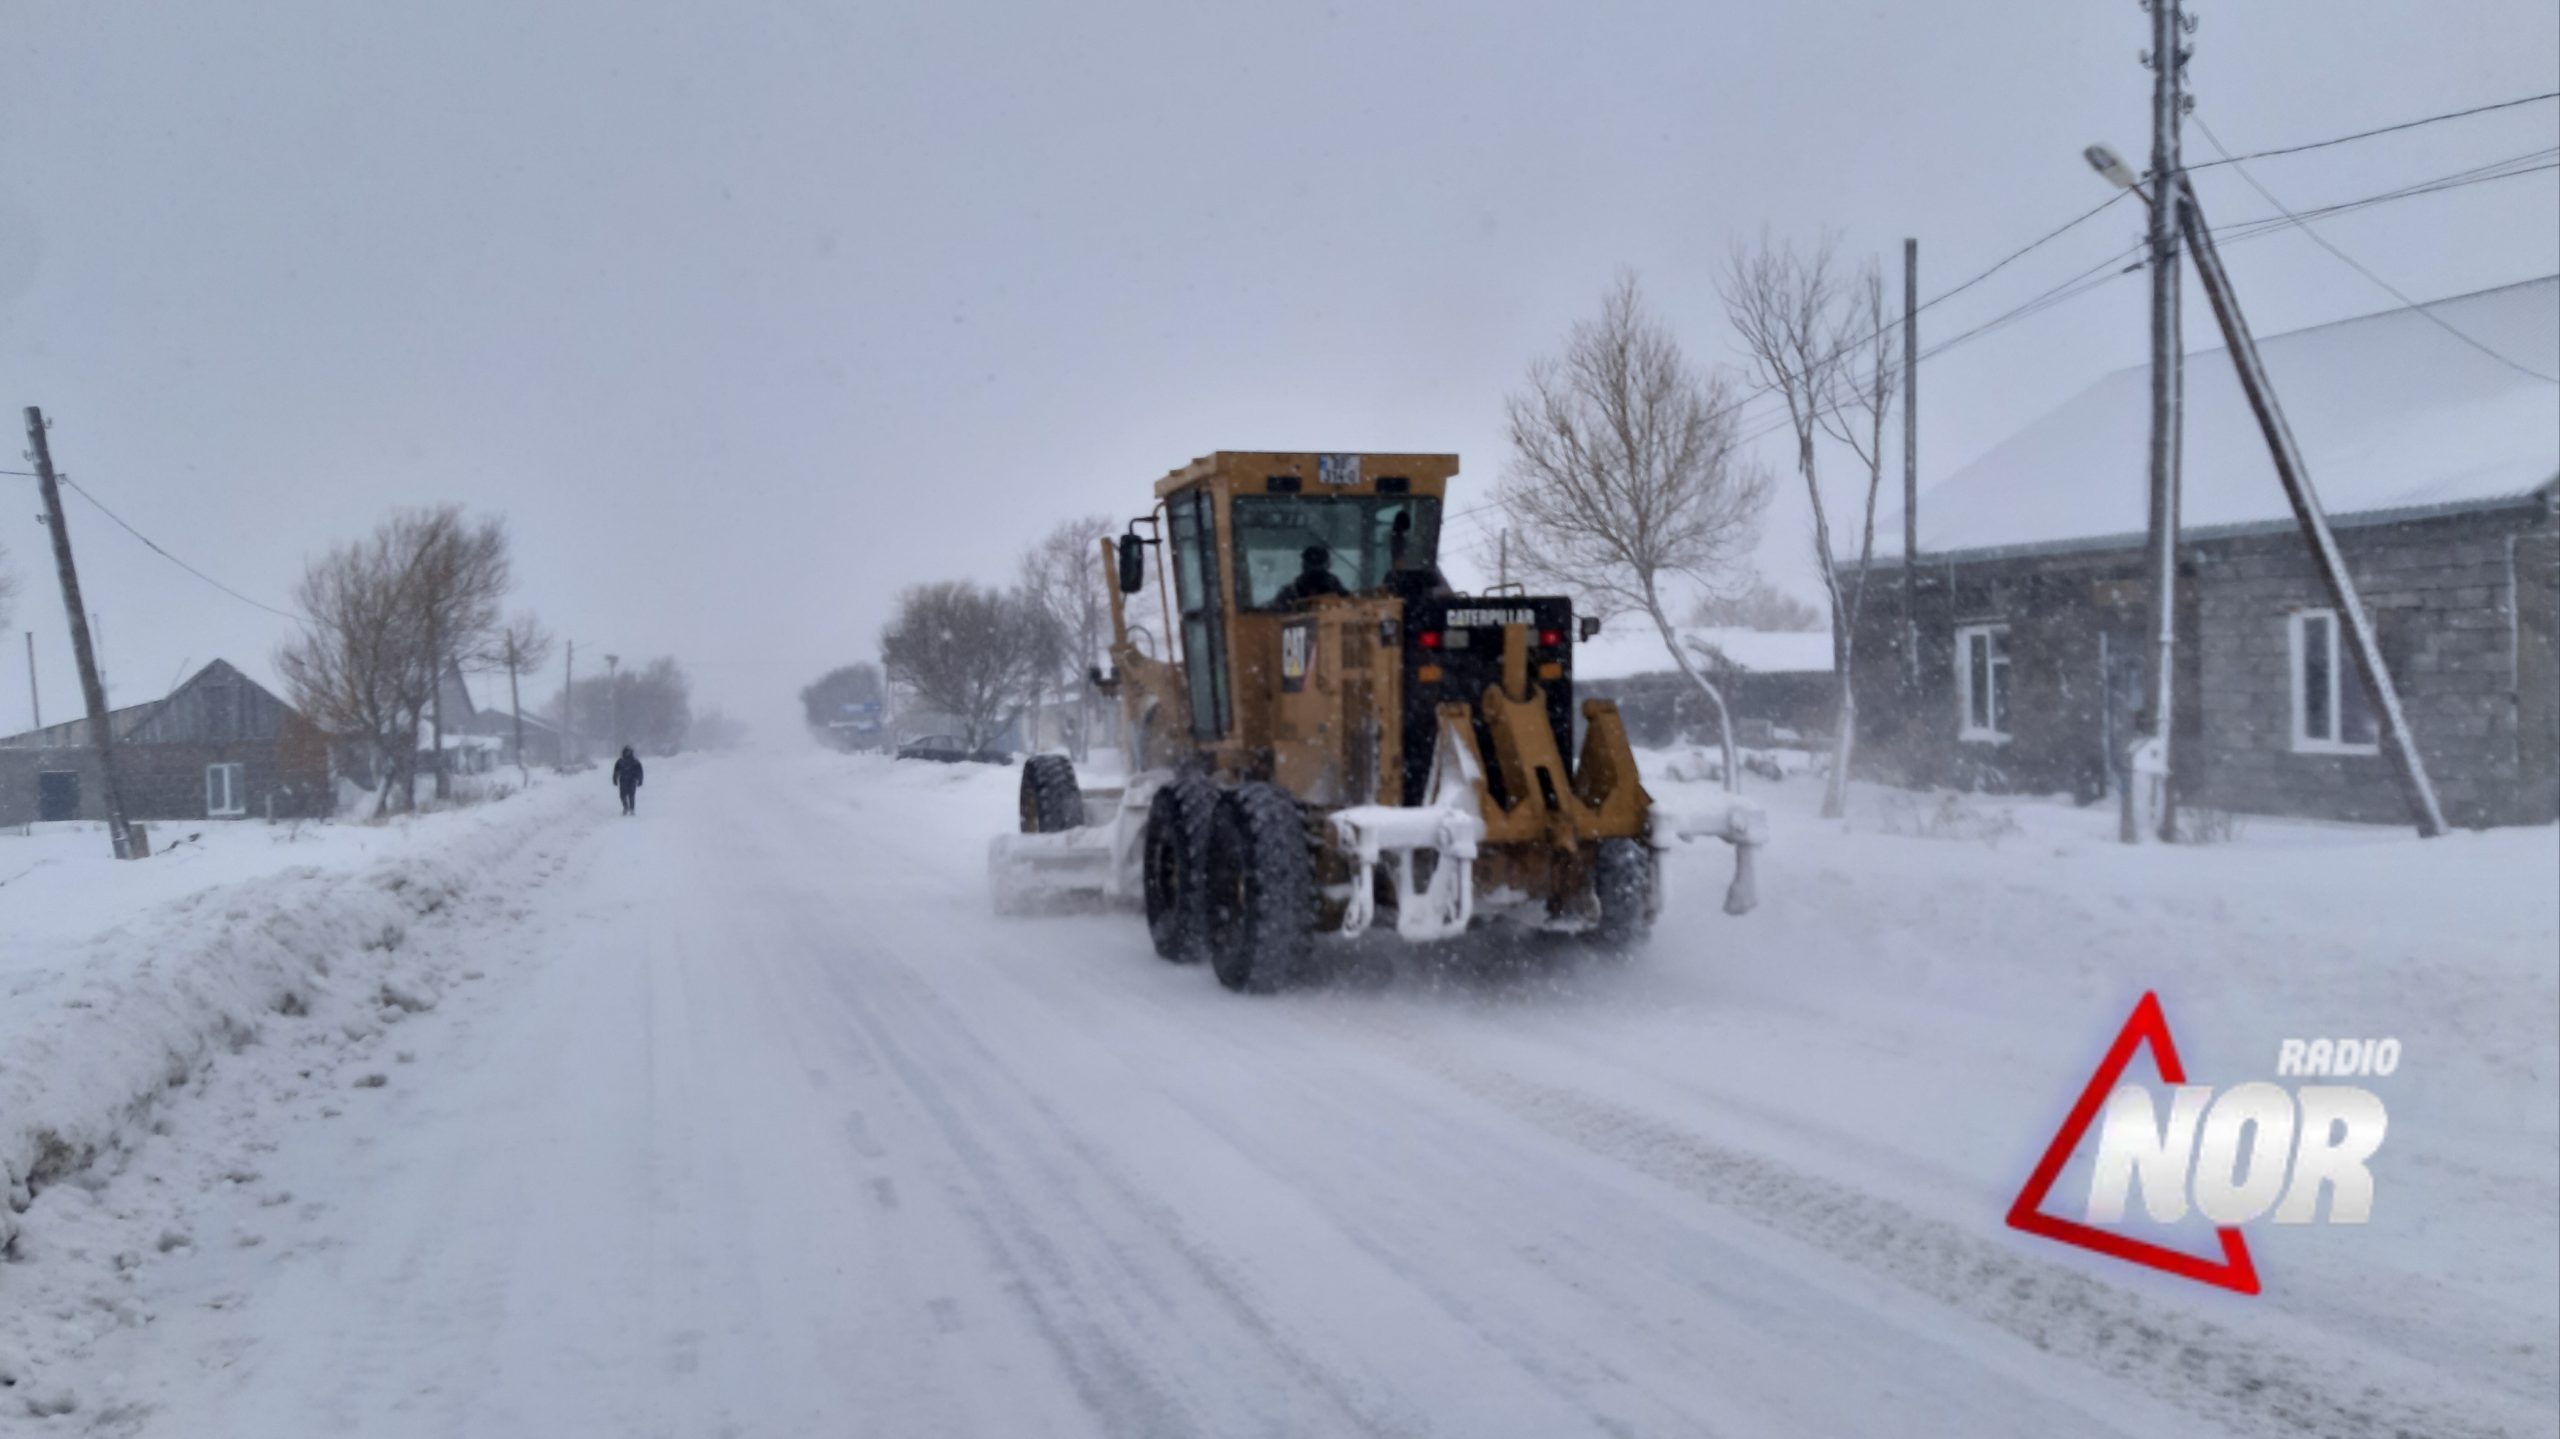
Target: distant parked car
(950, 749)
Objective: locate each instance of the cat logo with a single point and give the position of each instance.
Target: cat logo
(1297, 654)
(1487, 619)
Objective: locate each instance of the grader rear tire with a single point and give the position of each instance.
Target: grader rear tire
(1051, 803)
(1175, 865)
(1261, 891)
(1622, 880)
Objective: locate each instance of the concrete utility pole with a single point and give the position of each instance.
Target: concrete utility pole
(613, 691)
(129, 842)
(1910, 468)
(2397, 741)
(35, 701)
(2150, 761)
(569, 703)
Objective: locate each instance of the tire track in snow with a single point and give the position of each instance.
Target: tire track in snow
(1123, 1385)
(2204, 1368)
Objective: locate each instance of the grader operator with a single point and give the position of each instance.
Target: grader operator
(1320, 733)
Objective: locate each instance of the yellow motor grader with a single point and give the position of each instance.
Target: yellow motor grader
(1319, 733)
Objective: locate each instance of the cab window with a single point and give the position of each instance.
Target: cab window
(1357, 532)
(1193, 528)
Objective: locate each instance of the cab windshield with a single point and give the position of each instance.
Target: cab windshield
(1362, 536)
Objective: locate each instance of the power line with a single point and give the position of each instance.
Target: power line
(2230, 159)
(154, 547)
(2358, 266)
(2089, 279)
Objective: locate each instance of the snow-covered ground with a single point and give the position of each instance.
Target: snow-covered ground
(748, 1117)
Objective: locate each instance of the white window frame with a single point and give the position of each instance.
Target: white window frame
(235, 777)
(1998, 669)
(2304, 742)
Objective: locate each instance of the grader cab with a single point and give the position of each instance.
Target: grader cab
(1322, 736)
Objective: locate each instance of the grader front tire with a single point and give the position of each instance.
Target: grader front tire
(1262, 890)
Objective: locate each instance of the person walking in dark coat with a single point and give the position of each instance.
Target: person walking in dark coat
(626, 777)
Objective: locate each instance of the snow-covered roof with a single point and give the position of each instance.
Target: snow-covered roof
(2392, 414)
(1632, 646)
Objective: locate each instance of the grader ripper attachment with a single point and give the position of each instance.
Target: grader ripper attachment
(1322, 737)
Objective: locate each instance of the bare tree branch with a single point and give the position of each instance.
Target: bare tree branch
(1819, 342)
(1626, 475)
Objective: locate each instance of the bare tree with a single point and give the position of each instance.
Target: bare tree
(348, 670)
(521, 644)
(1627, 477)
(1820, 342)
(459, 576)
(1063, 576)
(854, 689)
(649, 707)
(966, 650)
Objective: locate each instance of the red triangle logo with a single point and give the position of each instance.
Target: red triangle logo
(2146, 1026)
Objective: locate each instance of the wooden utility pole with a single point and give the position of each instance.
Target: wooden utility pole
(569, 702)
(35, 700)
(129, 842)
(2397, 741)
(1502, 565)
(2150, 761)
(1910, 468)
(515, 700)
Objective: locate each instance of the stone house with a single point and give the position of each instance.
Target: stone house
(219, 746)
(2439, 466)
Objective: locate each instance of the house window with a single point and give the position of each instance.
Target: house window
(226, 792)
(1982, 682)
(2330, 715)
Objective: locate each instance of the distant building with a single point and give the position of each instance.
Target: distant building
(2439, 467)
(486, 738)
(218, 747)
(1776, 683)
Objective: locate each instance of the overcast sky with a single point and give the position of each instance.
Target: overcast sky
(746, 315)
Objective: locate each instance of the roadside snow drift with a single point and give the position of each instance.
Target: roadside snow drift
(93, 1034)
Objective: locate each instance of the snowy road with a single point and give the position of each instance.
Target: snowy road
(763, 1125)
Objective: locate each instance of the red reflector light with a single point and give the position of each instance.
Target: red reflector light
(1428, 639)
(1551, 638)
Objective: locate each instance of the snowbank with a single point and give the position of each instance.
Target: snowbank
(93, 1031)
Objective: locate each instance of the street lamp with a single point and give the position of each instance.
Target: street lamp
(2110, 164)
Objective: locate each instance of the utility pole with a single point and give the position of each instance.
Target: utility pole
(515, 698)
(2397, 741)
(1502, 564)
(129, 843)
(613, 689)
(1910, 468)
(35, 700)
(2149, 763)
(569, 703)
